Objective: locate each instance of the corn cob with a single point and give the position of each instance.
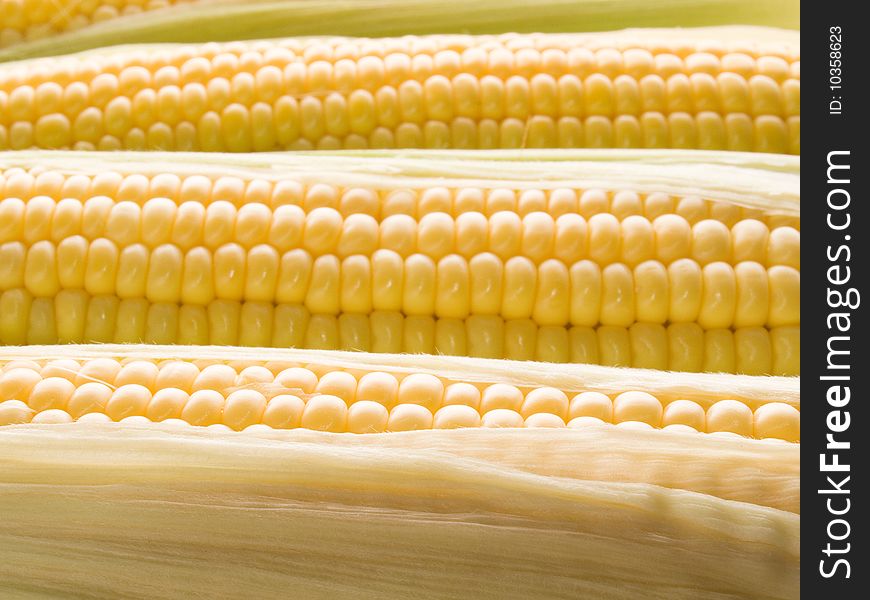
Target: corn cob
(655, 89)
(86, 25)
(299, 393)
(362, 400)
(24, 20)
(648, 268)
(492, 471)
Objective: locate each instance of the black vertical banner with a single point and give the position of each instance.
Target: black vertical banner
(835, 367)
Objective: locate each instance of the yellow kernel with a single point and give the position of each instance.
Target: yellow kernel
(571, 238)
(409, 417)
(13, 412)
(436, 234)
(103, 313)
(501, 396)
(637, 406)
(547, 420)
(784, 308)
(651, 292)
(40, 270)
(122, 226)
(52, 416)
(749, 239)
(63, 367)
(322, 230)
(420, 388)
(591, 404)
(101, 370)
(325, 413)
(204, 407)
(464, 394)
(711, 242)
(519, 288)
(471, 234)
(398, 233)
(71, 307)
(338, 383)
(13, 258)
(685, 412)
(552, 298)
(718, 303)
(452, 288)
(367, 417)
(51, 392)
(297, 380)
(685, 347)
(101, 271)
(617, 296)
(378, 387)
(719, 351)
(777, 420)
(37, 218)
(581, 422)
(97, 417)
(128, 400)
(53, 131)
(450, 337)
(17, 383)
(583, 344)
(322, 333)
(649, 346)
(753, 295)
(786, 349)
(530, 201)
(739, 131)
(783, 248)
(599, 95)
(164, 274)
(419, 285)
(283, 412)
(545, 400)
(243, 408)
(12, 211)
(586, 293)
(730, 416)
(638, 240)
(685, 285)
(167, 403)
(552, 344)
(502, 417)
(256, 324)
(604, 238)
(456, 416)
(538, 236)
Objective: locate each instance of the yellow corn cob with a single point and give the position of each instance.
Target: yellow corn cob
(650, 89)
(362, 400)
(29, 20)
(291, 252)
(226, 20)
(505, 467)
(272, 391)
